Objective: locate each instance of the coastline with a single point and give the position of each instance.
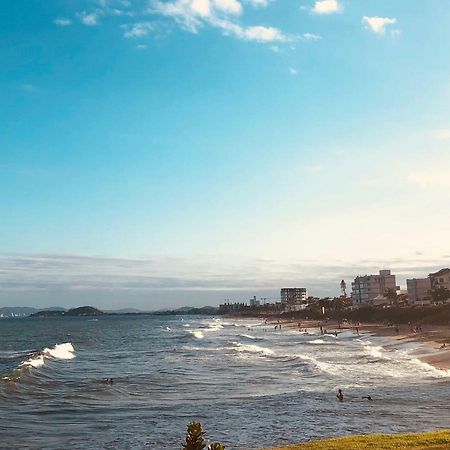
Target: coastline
(429, 340)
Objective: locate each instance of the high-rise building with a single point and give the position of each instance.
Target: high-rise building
(419, 291)
(293, 299)
(366, 288)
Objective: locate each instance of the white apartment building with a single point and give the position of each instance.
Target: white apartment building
(293, 299)
(366, 288)
(440, 279)
(419, 291)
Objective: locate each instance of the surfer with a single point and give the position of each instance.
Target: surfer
(368, 398)
(340, 395)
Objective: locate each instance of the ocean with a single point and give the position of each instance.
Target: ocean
(251, 386)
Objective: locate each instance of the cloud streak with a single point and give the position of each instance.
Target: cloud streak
(180, 279)
(62, 22)
(192, 15)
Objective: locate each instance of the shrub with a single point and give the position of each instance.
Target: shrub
(195, 441)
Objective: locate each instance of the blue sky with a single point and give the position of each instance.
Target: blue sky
(158, 153)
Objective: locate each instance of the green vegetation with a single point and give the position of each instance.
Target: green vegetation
(440, 295)
(195, 441)
(436, 440)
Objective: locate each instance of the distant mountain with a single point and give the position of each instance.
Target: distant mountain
(17, 311)
(125, 311)
(189, 310)
(74, 312)
(24, 311)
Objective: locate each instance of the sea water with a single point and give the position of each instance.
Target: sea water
(251, 386)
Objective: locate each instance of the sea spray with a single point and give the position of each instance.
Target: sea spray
(58, 351)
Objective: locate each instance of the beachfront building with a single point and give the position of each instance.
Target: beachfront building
(440, 279)
(419, 291)
(254, 303)
(229, 307)
(293, 299)
(440, 286)
(368, 287)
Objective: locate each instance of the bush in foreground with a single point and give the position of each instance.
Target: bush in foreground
(195, 441)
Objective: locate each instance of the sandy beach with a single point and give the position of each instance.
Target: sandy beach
(430, 338)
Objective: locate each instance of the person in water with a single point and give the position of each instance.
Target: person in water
(340, 395)
(368, 398)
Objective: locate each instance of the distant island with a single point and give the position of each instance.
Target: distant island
(74, 312)
(92, 311)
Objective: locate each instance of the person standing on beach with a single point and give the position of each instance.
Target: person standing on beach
(340, 395)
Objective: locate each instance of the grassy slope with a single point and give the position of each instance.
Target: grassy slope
(436, 440)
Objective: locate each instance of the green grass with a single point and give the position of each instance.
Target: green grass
(435, 440)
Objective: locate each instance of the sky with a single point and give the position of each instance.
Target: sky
(160, 153)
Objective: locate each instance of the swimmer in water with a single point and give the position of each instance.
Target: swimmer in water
(340, 395)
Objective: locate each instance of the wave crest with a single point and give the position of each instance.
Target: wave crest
(58, 351)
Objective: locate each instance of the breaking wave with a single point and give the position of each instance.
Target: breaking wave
(197, 334)
(251, 348)
(58, 351)
(38, 359)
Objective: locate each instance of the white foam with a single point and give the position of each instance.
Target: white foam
(317, 341)
(197, 334)
(251, 348)
(59, 351)
(35, 361)
(248, 336)
(374, 351)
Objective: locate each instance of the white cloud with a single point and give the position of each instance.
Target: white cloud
(187, 13)
(310, 37)
(257, 33)
(62, 22)
(159, 282)
(137, 30)
(89, 19)
(442, 134)
(326, 7)
(378, 24)
(258, 3)
(228, 6)
(193, 14)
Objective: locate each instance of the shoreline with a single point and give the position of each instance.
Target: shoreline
(430, 340)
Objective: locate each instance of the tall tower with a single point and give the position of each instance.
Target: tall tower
(344, 288)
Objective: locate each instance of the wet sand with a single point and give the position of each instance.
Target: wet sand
(430, 340)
